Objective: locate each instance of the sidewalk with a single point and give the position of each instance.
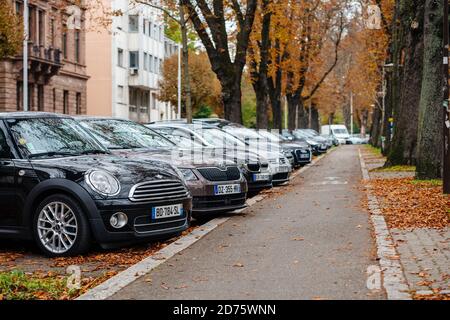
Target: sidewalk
(310, 240)
(418, 219)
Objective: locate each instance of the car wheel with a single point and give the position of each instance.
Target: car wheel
(60, 227)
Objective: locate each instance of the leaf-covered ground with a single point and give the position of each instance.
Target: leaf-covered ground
(407, 203)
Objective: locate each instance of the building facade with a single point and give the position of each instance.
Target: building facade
(125, 65)
(57, 79)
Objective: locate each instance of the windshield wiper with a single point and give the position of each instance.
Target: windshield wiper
(51, 154)
(94, 151)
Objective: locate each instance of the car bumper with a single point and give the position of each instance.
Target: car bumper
(141, 226)
(206, 200)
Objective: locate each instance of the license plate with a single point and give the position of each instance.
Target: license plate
(167, 211)
(227, 189)
(261, 177)
(304, 156)
(282, 169)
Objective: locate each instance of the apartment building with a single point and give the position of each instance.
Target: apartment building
(125, 64)
(56, 65)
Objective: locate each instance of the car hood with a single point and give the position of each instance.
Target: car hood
(128, 171)
(295, 145)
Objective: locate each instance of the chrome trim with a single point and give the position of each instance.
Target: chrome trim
(175, 190)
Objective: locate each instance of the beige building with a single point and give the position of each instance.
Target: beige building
(57, 71)
(124, 62)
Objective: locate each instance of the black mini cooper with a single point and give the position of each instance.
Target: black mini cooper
(60, 187)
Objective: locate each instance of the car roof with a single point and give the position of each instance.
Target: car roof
(84, 117)
(180, 125)
(31, 115)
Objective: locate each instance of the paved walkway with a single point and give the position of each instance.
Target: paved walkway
(424, 252)
(310, 240)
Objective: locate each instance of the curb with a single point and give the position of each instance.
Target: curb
(126, 277)
(394, 281)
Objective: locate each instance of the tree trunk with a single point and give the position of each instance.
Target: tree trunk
(364, 121)
(231, 97)
(262, 104)
(302, 116)
(406, 113)
(292, 101)
(315, 121)
(347, 114)
(430, 141)
(376, 127)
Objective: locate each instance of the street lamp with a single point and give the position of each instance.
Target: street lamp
(26, 28)
(387, 66)
(446, 126)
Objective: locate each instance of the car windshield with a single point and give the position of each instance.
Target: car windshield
(272, 136)
(243, 133)
(179, 137)
(340, 131)
(52, 137)
(121, 134)
(219, 138)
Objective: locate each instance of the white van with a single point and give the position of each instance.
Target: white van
(337, 130)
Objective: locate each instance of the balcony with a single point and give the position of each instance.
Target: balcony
(43, 62)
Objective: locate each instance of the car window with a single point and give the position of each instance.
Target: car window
(219, 138)
(119, 134)
(49, 137)
(180, 137)
(5, 152)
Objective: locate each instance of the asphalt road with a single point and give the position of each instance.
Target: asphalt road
(309, 240)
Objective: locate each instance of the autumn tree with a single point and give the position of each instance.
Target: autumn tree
(224, 29)
(205, 87)
(11, 35)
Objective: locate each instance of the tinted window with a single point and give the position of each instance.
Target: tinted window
(4, 148)
(118, 134)
(41, 136)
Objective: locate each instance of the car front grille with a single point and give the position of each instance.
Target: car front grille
(254, 167)
(302, 154)
(216, 174)
(160, 190)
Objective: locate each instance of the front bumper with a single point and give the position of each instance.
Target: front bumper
(205, 199)
(141, 226)
(302, 156)
(254, 185)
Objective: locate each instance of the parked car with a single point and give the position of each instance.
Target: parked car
(62, 188)
(216, 185)
(280, 162)
(338, 131)
(300, 151)
(298, 136)
(315, 135)
(255, 168)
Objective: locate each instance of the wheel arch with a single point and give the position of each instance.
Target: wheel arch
(58, 186)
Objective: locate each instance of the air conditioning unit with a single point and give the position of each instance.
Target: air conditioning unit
(133, 71)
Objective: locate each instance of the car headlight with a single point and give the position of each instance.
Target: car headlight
(102, 182)
(188, 175)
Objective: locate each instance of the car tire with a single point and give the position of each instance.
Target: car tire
(61, 237)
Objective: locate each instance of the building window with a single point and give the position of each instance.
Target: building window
(19, 8)
(150, 28)
(78, 103)
(66, 102)
(145, 61)
(41, 27)
(19, 95)
(151, 64)
(120, 94)
(40, 96)
(54, 99)
(144, 26)
(64, 44)
(133, 23)
(134, 59)
(155, 31)
(161, 33)
(120, 57)
(52, 31)
(77, 46)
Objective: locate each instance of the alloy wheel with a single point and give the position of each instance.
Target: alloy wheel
(57, 227)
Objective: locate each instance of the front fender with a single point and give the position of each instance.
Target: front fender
(52, 186)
